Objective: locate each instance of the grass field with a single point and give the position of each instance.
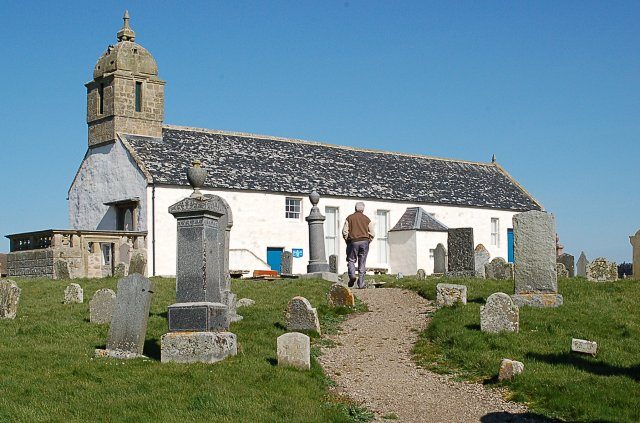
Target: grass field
(555, 383)
(48, 372)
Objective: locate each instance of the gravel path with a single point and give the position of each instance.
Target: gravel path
(371, 363)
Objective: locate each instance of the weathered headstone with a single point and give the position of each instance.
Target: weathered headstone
(421, 274)
(73, 294)
(568, 261)
(317, 256)
(581, 268)
(245, 302)
(199, 319)
(286, 263)
(635, 243)
(301, 316)
(499, 269)
(3, 264)
(536, 280)
(481, 257)
(340, 296)
(461, 261)
(399, 276)
(294, 349)
(333, 263)
(138, 264)
(120, 271)
(440, 260)
(9, 299)
(561, 271)
(499, 314)
(509, 369)
(583, 346)
(601, 270)
(62, 269)
(448, 294)
(129, 321)
(101, 306)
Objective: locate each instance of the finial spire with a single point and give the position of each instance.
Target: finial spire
(493, 158)
(126, 33)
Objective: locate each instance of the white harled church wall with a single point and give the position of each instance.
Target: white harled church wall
(259, 222)
(425, 242)
(403, 252)
(108, 173)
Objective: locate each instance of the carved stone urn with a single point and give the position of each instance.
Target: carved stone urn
(196, 176)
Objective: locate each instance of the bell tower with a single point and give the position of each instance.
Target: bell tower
(125, 96)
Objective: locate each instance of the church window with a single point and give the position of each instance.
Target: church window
(101, 99)
(382, 235)
(138, 96)
(292, 208)
(495, 231)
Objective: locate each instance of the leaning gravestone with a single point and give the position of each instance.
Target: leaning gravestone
(534, 253)
(461, 253)
(421, 274)
(340, 296)
(301, 316)
(581, 268)
(499, 314)
(440, 260)
(9, 299)
(294, 349)
(333, 263)
(129, 322)
(499, 269)
(448, 294)
(561, 271)
(286, 263)
(101, 306)
(481, 257)
(601, 270)
(635, 244)
(73, 294)
(138, 264)
(568, 261)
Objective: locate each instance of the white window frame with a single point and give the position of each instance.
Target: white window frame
(495, 234)
(335, 240)
(380, 239)
(290, 212)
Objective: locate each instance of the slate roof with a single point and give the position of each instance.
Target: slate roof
(416, 219)
(260, 163)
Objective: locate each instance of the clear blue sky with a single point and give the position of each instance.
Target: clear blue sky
(552, 88)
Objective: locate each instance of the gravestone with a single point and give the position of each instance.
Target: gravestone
(124, 253)
(583, 346)
(421, 274)
(481, 257)
(199, 319)
(294, 349)
(3, 264)
(9, 299)
(138, 264)
(73, 294)
(601, 270)
(399, 276)
(581, 268)
(333, 263)
(568, 261)
(635, 243)
(461, 259)
(120, 271)
(340, 296)
(317, 256)
(129, 321)
(440, 260)
(509, 369)
(561, 271)
(499, 269)
(62, 269)
(499, 314)
(101, 306)
(301, 316)
(448, 294)
(536, 280)
(286, 263)
(245, 302)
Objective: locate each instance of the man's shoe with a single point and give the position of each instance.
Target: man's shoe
(351, 282)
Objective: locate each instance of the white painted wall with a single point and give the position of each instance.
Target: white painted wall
(402, 252)
(108, 173)
(259, 222)
(426, 241)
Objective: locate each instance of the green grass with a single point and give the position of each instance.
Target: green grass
(48, 372)
(555, 382)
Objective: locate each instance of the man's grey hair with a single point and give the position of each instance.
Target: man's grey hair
(359, 206)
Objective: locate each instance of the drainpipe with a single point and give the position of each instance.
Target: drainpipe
(153, 228)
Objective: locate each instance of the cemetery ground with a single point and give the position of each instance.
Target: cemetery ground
(556, 383)
(49, 372)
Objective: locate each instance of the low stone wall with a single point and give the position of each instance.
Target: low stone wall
(32, 263)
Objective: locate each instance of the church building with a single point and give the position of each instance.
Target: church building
(135, 168)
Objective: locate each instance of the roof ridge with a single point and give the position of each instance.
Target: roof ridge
(323, 144)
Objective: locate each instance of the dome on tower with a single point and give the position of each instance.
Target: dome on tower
(126, 55)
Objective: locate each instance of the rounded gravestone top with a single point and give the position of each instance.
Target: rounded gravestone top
(314, 197)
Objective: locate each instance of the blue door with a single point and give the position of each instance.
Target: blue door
(510, 244)
(273, 257)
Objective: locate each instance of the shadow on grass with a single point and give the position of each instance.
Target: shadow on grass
(164, 314)
(279, 325)
(473, 327)
(503, 416)
(477, 300)
(152, 349)
(588, 365)
(272, 361)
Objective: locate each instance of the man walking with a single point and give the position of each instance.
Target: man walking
(358, 232)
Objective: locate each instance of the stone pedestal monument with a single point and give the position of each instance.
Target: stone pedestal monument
(635, 242)
(199, 320)
(318, 266)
